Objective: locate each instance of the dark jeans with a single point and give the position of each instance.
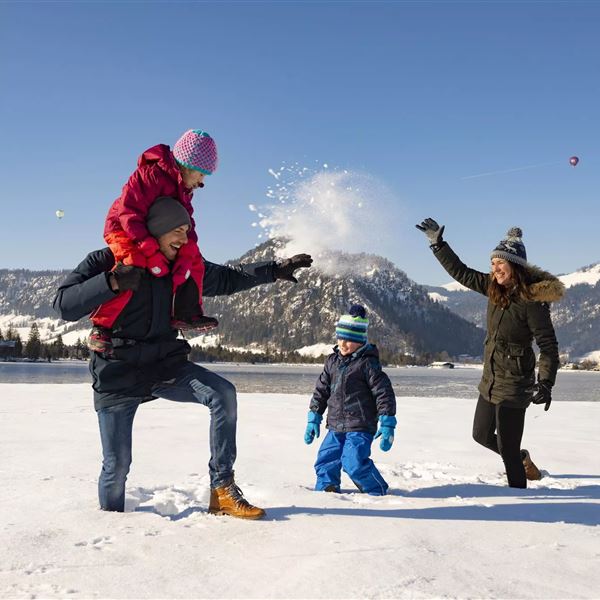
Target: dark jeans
(500, 428)
(190, 383)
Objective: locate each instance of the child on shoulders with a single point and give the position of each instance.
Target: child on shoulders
(161, 173)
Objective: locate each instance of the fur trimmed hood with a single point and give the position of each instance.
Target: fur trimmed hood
(545, 287)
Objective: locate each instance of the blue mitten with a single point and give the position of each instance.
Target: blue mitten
(386, 431)
(312, 427)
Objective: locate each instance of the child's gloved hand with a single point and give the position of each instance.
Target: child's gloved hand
(187, 257)
(158, 264)
(148, 246)
(181, 271)
(387, 424)
(312, 427)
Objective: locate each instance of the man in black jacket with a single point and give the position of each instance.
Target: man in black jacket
(147, 359)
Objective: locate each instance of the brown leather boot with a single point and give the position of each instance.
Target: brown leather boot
(531, 471)
(229, 500)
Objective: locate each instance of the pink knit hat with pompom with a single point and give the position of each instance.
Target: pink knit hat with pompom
(195, 149)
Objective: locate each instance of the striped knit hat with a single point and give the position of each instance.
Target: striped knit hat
(196, 150)
(511, 248)
(353, 326)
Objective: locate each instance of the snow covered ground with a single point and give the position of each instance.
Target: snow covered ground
(449, 529)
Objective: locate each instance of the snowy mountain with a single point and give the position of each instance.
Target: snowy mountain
(29, 292)
(405, 317)
(576, 317)
(589, 275)
(26, 296)
(284, 316)
(402, 316)
(460, 300)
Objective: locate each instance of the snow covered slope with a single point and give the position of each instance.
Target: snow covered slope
(449, 529)
(588, 276)
(283, 316)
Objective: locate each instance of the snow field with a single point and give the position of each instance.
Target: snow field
(450, 528)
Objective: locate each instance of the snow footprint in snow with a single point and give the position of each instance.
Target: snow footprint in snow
(98, 543)
(39, 591)
(422, 471)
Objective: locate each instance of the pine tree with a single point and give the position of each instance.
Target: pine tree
(59, 347)
(47, 352)
(18, 345)
(33, 347)
(80, 350)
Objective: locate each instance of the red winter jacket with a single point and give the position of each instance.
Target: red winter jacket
(157, 175)
(125, 229)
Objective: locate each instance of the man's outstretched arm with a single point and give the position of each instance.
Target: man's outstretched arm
(220, 280)
(87, 287)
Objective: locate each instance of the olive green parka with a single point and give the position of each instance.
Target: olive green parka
(509, 360)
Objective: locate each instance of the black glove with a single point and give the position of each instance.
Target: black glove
(127, 277)
(543, 394)
(285, 269)
(432, 230)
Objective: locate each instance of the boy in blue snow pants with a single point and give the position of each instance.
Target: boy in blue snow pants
(356, 394)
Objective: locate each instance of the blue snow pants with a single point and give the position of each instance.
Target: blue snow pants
(349, 451)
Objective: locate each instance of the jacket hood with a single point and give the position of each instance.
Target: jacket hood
(545, 287)
(161, 154)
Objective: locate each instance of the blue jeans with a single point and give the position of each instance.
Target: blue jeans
(349, 451)
(190, 383)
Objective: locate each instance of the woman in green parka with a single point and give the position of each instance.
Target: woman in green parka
(518, 313)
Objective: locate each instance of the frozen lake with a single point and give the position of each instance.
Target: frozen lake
(300, 379)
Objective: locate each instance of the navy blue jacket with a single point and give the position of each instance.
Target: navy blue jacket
(354, 390)
(146, 319)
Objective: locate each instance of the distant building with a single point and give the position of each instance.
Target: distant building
(466, 358)
(7, 349)
(442, 365)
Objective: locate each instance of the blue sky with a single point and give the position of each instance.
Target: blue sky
(418, 95)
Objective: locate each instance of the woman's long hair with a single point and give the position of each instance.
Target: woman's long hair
(502, 295)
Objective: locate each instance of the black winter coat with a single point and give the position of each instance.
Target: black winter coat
(354, 390)
(509, 360)
(146, 321)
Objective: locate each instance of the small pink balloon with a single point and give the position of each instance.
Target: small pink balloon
(573, 161)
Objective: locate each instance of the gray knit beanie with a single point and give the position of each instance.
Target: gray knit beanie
(165, 214)
(512, 248)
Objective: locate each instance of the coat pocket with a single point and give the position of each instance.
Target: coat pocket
(519, 360)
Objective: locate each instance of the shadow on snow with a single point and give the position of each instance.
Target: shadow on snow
(482, 490)
(579, 513)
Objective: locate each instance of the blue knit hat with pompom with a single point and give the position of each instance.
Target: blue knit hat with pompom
(353, 326)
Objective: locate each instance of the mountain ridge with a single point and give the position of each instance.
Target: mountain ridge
(406, 317)
(284, 316)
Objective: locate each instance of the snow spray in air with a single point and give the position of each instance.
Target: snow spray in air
(326, 211)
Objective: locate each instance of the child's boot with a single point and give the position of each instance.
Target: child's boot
(332, 488)
(187, 310)
(199, 324)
